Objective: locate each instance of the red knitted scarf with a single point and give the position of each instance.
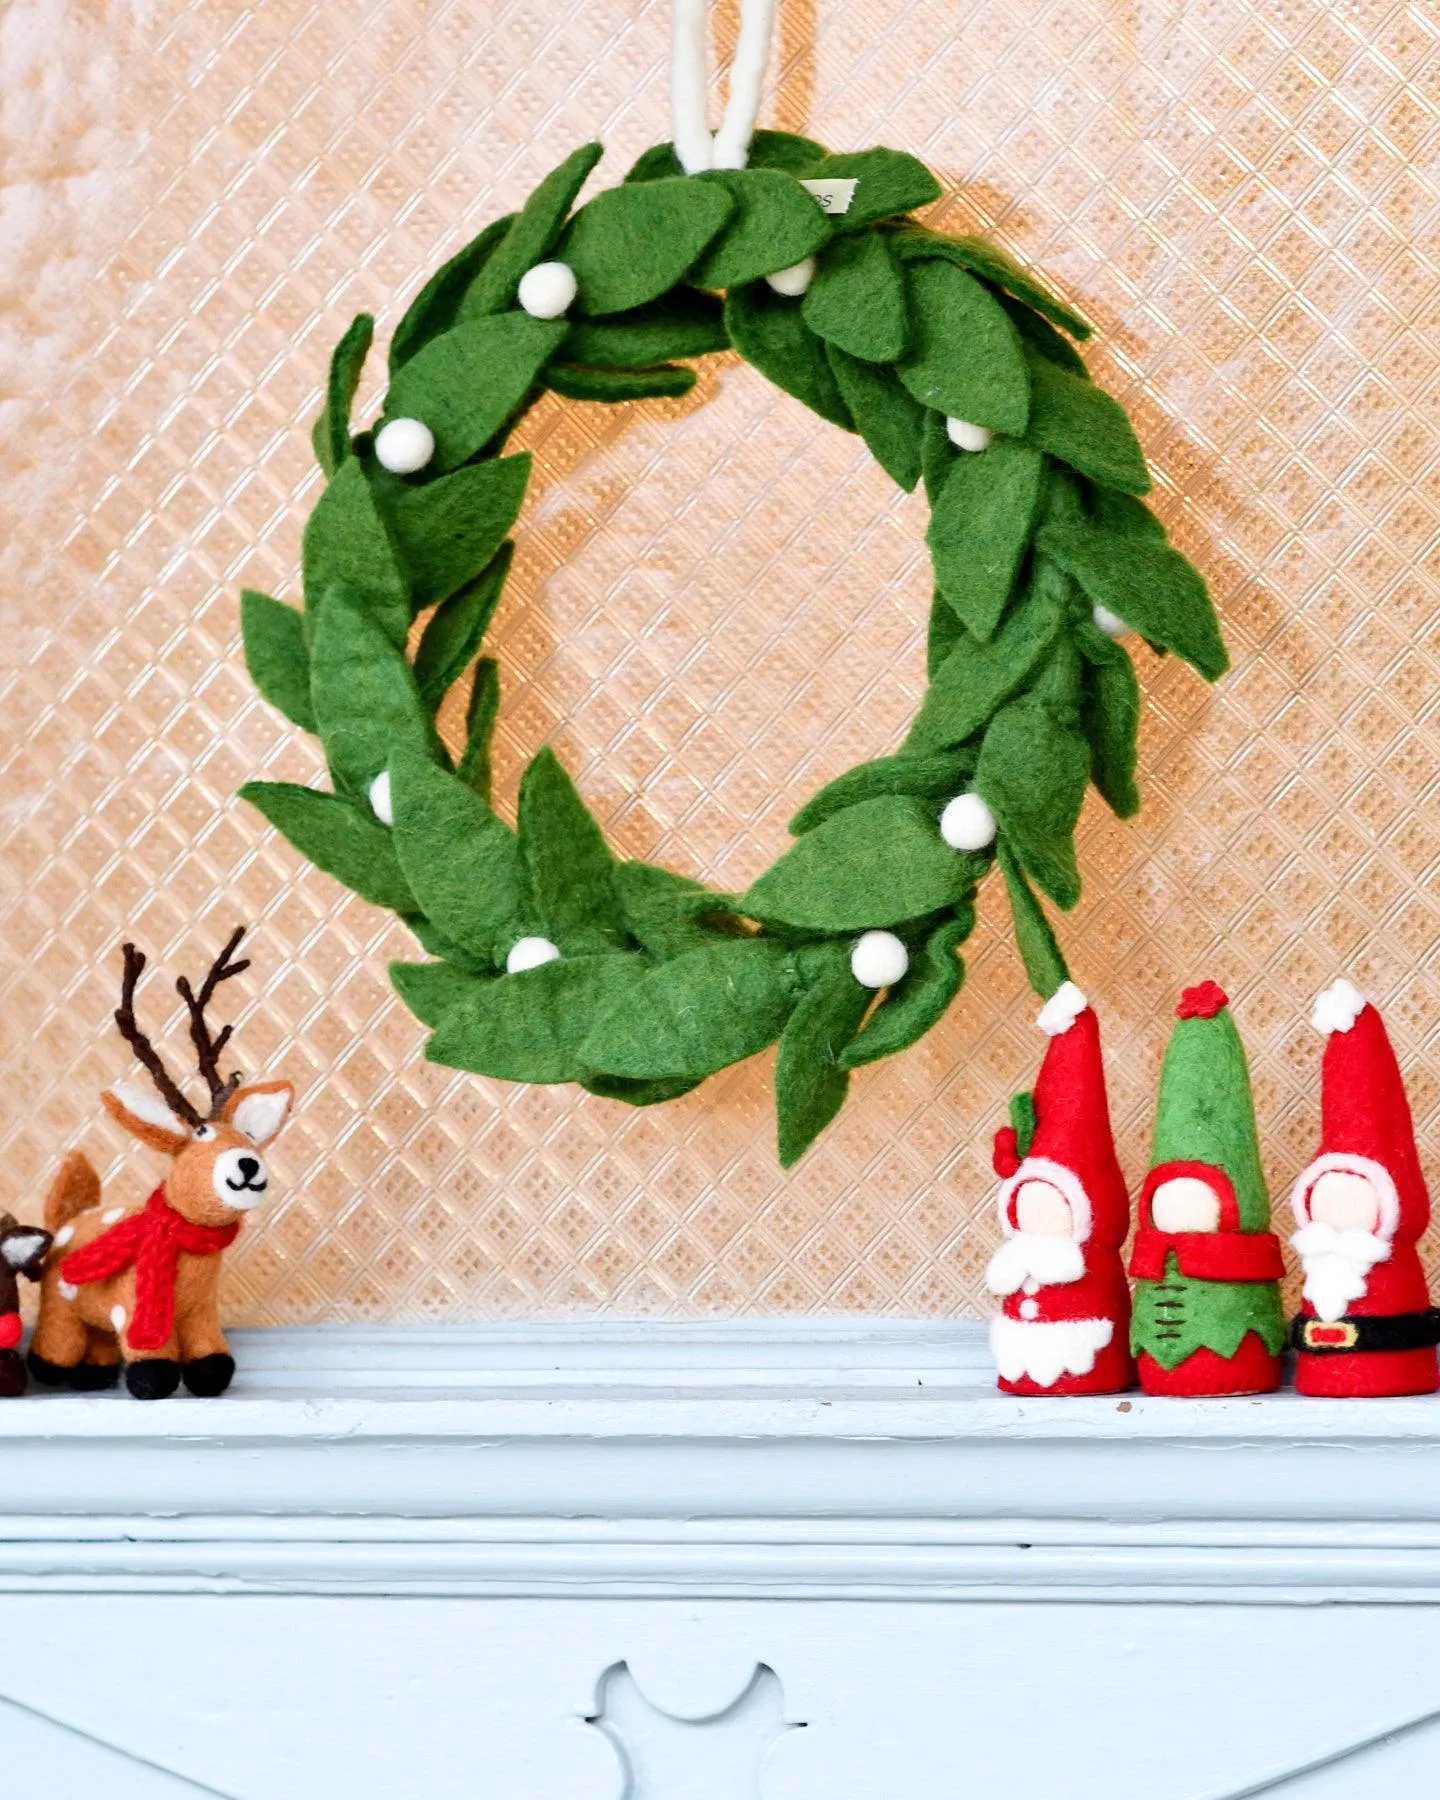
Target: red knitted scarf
(153, 1240)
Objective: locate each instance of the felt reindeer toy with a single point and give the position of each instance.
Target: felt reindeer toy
(22, 1252)
(1367, 1325)
(1065, 1313)
(139, 1284)
(1208, 1318)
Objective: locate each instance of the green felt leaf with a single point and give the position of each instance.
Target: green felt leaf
(1063, 502)
(857, 299)
(461, 861)
(531, 1027)
(945, 632)
(1057, 683)
(931, 777)
(633, 243)
(976, 679)
(965, 358)
(682, 323)
(663, 911)
(879, 862)
(1110, 718)
(980, 529)
(1080, 423)
(1045, 967)
(914, 243)
(347, 544)
(434, 942)
(532, 235)
(916, 1003)
(334, 834)
(1033, 773)
(775, 225)
(457, 628)
(366, 703)
(887, 182)
(938, 455)
(1039, 335)
(655, 164)
(437, 306)
(886, 414)
(639, 1093)
(612, 385)
(447, 530)
(474, 765)
(466, 383)
(698, 1012)
(430, 989)
(276, 655)
(569, 861)
(1124, 515)
(770, 332)
(811, 1081)
(331, 433)
(768, 150)
(1153, 588)
(1023, 1121)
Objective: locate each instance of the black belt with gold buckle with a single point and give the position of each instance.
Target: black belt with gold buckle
(1392, 1331)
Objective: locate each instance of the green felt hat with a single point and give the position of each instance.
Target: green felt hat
(1204, 1112)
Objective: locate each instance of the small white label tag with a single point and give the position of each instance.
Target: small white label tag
(835, 194)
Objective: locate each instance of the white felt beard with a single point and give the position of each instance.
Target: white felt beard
(1035, 1256)
(1337, 1265)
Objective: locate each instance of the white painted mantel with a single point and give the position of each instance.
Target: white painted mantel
(789, 1561)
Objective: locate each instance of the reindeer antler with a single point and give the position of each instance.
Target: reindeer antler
(141, 1045)
(207, 1049)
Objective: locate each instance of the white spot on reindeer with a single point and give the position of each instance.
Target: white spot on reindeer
(68, 1290)
(111, 1214)
(117, 1317)
(64, 1235)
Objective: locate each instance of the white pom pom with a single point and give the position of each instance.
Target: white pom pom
(965, 436)
(381, 804)
(1110, 623)
(967, 823)
(1061, 1010)
(404, 446)
(529, 953)
(795, 280)
(1337, 1008)
(547, 289)
(879, 959)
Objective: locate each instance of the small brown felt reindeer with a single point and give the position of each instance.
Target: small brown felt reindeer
(138, 1284)
(22, 1252)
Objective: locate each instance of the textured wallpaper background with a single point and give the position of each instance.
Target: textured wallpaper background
(718, 604)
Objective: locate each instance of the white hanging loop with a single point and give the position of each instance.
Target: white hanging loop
(695, 148)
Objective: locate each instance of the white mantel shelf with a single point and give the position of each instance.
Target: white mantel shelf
(776, 1460)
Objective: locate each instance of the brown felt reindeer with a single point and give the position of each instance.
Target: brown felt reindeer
(138, 1284)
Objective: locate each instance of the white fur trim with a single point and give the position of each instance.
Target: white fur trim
(1040, 1168)
(261, 1115)
(1061, 1010)
(1337, 1008)
(22, 1247)
(1049, 1348)
(149, 1108)
(1344, 1162)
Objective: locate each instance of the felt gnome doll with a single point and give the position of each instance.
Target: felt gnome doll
(1367, 1325)
(1208, 1317)
(1064, 1212)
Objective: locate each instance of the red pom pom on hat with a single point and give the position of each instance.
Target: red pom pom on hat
(1202, 1002)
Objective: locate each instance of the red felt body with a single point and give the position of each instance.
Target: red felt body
(1251, 1370)
(1396, 1285)
(1102, 1292)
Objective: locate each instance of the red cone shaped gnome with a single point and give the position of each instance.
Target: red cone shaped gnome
(1367, 1326)
(1064, 1322)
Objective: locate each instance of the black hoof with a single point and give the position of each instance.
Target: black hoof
(12, 1374)
(208, 1375)
(52, 1374)
(89, 1378)
(156, 1378)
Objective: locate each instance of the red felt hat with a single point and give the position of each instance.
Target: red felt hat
(1365, 1123)
(1073, 1146)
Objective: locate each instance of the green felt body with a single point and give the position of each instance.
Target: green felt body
(1175, 1317)
(1204, 1111)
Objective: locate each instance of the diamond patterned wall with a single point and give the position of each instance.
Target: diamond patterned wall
(717, 603)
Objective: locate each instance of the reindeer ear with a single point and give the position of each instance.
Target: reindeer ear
(260, 1109)
(145, 1116)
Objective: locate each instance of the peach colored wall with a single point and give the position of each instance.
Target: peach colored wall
(717, 604)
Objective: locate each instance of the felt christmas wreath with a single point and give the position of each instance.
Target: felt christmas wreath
(552, 960)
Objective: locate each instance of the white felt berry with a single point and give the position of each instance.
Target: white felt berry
(879, 959)
(380, 802)
(404, 446)
(795, 280)
(547, 290)
(967, 823)
(965, 436)
(1110, 623)
(529, 953)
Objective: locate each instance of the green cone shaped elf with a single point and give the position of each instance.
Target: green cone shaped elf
(1207, 1316)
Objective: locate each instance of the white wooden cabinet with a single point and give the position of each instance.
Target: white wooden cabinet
(811, 1561)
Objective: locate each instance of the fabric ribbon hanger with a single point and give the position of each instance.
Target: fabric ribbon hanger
(695, 146)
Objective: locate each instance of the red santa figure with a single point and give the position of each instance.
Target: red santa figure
(1064, 1324)
(1367, 1326)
